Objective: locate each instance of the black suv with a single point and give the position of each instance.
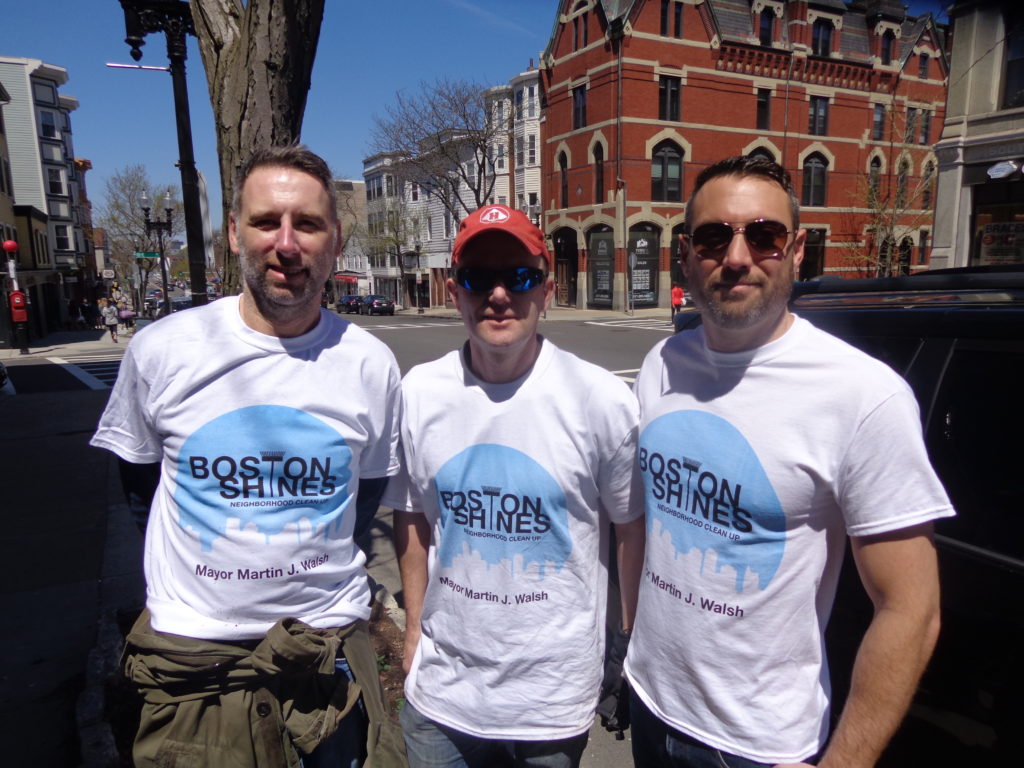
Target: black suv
(957, 337)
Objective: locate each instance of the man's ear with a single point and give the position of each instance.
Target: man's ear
(232, 233)
(453, 291)
(799, 241)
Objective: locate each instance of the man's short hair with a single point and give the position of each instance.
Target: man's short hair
(745, 166)
(294, 156)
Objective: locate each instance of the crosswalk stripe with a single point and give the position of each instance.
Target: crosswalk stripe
(92, 382)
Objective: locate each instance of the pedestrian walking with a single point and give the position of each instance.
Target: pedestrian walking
(110, 317)
(677, 298)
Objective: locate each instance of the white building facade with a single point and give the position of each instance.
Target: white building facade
(979, 215)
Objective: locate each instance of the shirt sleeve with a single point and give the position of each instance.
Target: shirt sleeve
(617, 477)
(887, 481)
(381, 456)
(125, 427)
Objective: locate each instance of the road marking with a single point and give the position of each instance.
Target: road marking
(640, 324)
(408, 325)
(622, 374)
(92, 382)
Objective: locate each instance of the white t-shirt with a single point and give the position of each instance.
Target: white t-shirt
(262, 441)
(518, 482)
(756, 466)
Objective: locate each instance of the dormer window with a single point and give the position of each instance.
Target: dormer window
(767, 21)
(821, 37)
(888, 39)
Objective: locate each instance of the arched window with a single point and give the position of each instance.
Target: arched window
(563, 169)
(901, 183)
(888, 38)
(761, 152)
(667, 173)
(926, 185)
(599, 173)
(815, 180)
(874, 180)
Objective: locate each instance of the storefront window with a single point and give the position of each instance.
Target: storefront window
(998, 223)
(643, 255)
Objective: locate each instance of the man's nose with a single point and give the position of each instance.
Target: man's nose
(286, 240)
(499, 293)
(737, 255)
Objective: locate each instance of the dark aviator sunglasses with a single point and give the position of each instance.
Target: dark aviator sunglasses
(766, 238)
(515, 279)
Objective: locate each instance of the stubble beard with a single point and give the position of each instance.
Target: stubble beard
(276, 304)
(730, 315)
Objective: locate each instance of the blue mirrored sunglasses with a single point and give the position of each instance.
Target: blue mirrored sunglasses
(515, 279)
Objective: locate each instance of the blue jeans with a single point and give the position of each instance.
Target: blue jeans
(346, 748)
(431, 745)
(658, 745)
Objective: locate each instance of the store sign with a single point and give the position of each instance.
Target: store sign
(1002, 243)
(602, 268)
(643, 257)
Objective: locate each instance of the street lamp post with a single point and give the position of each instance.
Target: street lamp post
(419, 276)
(160, 226)
(174, 19)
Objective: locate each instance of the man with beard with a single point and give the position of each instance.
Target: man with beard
(764, 444)
(257, 596)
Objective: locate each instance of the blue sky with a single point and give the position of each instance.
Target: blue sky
(367, 51)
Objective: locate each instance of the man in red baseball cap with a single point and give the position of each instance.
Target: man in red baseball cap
(516, 457)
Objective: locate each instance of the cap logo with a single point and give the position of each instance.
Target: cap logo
(494, 216)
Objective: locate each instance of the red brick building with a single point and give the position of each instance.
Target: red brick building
(641, 95)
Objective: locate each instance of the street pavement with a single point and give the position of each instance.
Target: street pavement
(71, 557)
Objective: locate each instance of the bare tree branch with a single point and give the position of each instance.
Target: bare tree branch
(445, 133)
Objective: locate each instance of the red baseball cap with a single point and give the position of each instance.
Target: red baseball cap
(501, 218)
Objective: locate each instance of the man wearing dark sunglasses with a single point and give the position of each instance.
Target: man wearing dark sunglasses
(516, 457)
(764, 444)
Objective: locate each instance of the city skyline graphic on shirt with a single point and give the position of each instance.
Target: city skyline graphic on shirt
(707, 493)
(268, 466)
(500, 505)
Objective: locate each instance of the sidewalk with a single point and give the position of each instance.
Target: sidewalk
(54, 344)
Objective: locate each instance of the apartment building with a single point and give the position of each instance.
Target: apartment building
(641, 95)
(47, 186)
(980, 199)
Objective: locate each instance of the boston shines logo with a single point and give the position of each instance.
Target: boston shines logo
(266, 466)
(498, 503)
(707, 492)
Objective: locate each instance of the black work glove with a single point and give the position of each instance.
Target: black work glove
(613, 700)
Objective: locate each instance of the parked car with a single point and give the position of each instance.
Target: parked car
(6, 387)
(376, 305)
(957, 337)
(347, 304)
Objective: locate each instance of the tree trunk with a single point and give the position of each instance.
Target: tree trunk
(259, 59)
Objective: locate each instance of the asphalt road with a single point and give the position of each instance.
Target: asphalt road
(617, 344)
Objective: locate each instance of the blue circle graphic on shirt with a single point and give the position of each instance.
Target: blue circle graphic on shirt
(705, 485)
(267, 466)
(500, 503)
